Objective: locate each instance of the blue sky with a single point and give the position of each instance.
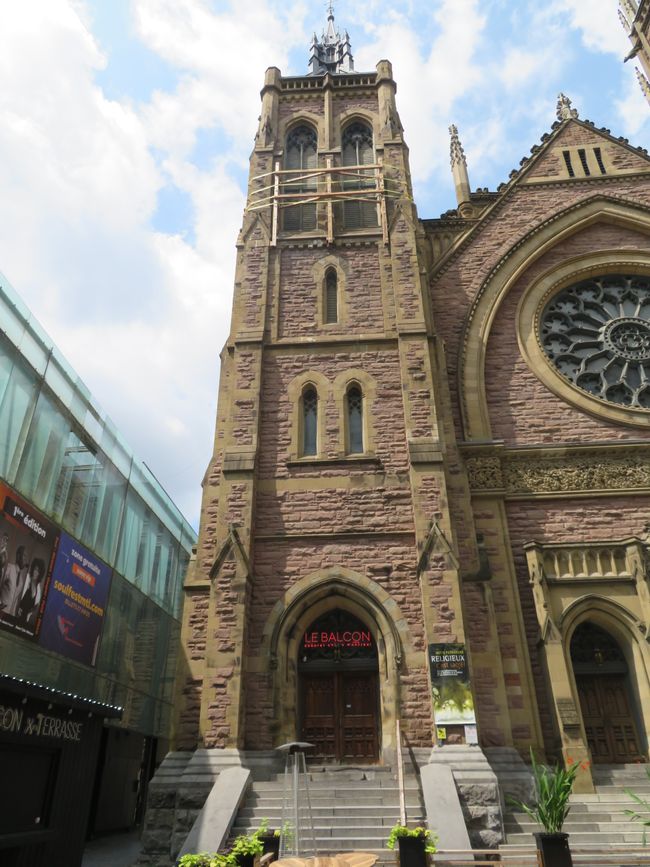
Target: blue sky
(124, 143)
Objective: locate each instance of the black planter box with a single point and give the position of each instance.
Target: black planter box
(411, 852)
(554, 849)
(271, 843)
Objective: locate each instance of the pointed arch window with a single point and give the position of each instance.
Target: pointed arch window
(309, 421)
(331, 296)
(301, 157)
(354, 409)
(360, 211)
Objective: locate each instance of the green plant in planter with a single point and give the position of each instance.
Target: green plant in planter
(247, 844)
(205, 859)
(428, 837)
(638, 816)
(553, 787)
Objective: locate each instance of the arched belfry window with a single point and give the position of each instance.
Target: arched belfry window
(359, 211)
(301, 159)
(309, 420)
(331, 296)
(354, 408)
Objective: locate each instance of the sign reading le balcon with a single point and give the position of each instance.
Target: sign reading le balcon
(315, 639)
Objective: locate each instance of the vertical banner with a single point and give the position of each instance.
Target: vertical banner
(76, 603)
(27, 547)
(452, 696)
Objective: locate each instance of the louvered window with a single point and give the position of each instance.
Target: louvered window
(309, 421)
(355, 420)
(331, 296)
(360, 211)
(301, 157)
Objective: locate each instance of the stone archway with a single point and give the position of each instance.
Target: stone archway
(312, 597)
(602, 679)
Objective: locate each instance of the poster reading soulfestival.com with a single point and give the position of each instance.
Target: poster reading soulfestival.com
(52, 589)
(76, 602)
(452, 696)
(27, 545)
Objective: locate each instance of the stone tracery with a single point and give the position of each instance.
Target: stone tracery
(597, 334)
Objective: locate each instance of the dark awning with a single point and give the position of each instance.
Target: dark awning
(79, 702)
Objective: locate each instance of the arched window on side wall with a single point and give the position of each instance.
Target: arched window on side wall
(331, 296)
(301, 158)
(309, 421)
(360, 211)
(354, 400)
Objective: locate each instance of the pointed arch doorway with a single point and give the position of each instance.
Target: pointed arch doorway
(338, 689)
(608, 708)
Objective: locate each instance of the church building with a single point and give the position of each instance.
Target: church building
(428, 499)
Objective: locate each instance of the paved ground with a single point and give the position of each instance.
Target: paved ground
(116, 850)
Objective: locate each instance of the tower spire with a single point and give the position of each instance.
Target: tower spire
(333, 53)
(459, 167)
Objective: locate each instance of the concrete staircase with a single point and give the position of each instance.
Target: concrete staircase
(353, 808)
(596, 820)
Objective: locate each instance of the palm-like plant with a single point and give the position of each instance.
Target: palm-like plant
(553, 787)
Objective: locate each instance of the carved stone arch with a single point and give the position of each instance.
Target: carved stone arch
(295, 390)
(322, 591)
(628, 631)
(499, 282)
(305, 118)
(358, 115)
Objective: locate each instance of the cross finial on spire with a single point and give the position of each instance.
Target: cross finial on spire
(332, 54)
(563, 109)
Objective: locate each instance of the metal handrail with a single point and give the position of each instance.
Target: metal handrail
(400, 776)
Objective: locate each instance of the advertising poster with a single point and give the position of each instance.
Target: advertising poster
(27, 547)
(452, 697)
(76, 602)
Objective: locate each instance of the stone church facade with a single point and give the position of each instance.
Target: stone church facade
(431, 434)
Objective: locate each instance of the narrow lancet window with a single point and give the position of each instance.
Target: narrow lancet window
(331, 296)
(355, 420)
(360, 203)
(300, 183)
(309, 421)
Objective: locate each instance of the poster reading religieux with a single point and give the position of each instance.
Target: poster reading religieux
(453, 702)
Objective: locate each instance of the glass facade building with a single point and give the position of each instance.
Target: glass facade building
(64, 456)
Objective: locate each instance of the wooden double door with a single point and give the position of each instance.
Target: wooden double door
(608, 719)
(340, 715)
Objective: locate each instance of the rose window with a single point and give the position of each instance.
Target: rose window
(597, 334)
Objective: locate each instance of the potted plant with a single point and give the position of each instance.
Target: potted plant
(550, 808)
(415, 844)
(205, 859)
(270, 839)
(245, 848)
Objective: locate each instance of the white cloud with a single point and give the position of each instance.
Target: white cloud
(598, 23)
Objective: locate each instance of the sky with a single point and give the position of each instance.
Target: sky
(125, 132)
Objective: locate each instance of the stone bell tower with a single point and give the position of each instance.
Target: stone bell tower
(325, 502)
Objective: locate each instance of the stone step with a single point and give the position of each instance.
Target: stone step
(588, 838)
(327, 802)
(353, 811)
(338, 785)
(577, 827)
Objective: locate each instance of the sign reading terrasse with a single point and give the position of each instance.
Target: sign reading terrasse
(20, 721)
(316, 640)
